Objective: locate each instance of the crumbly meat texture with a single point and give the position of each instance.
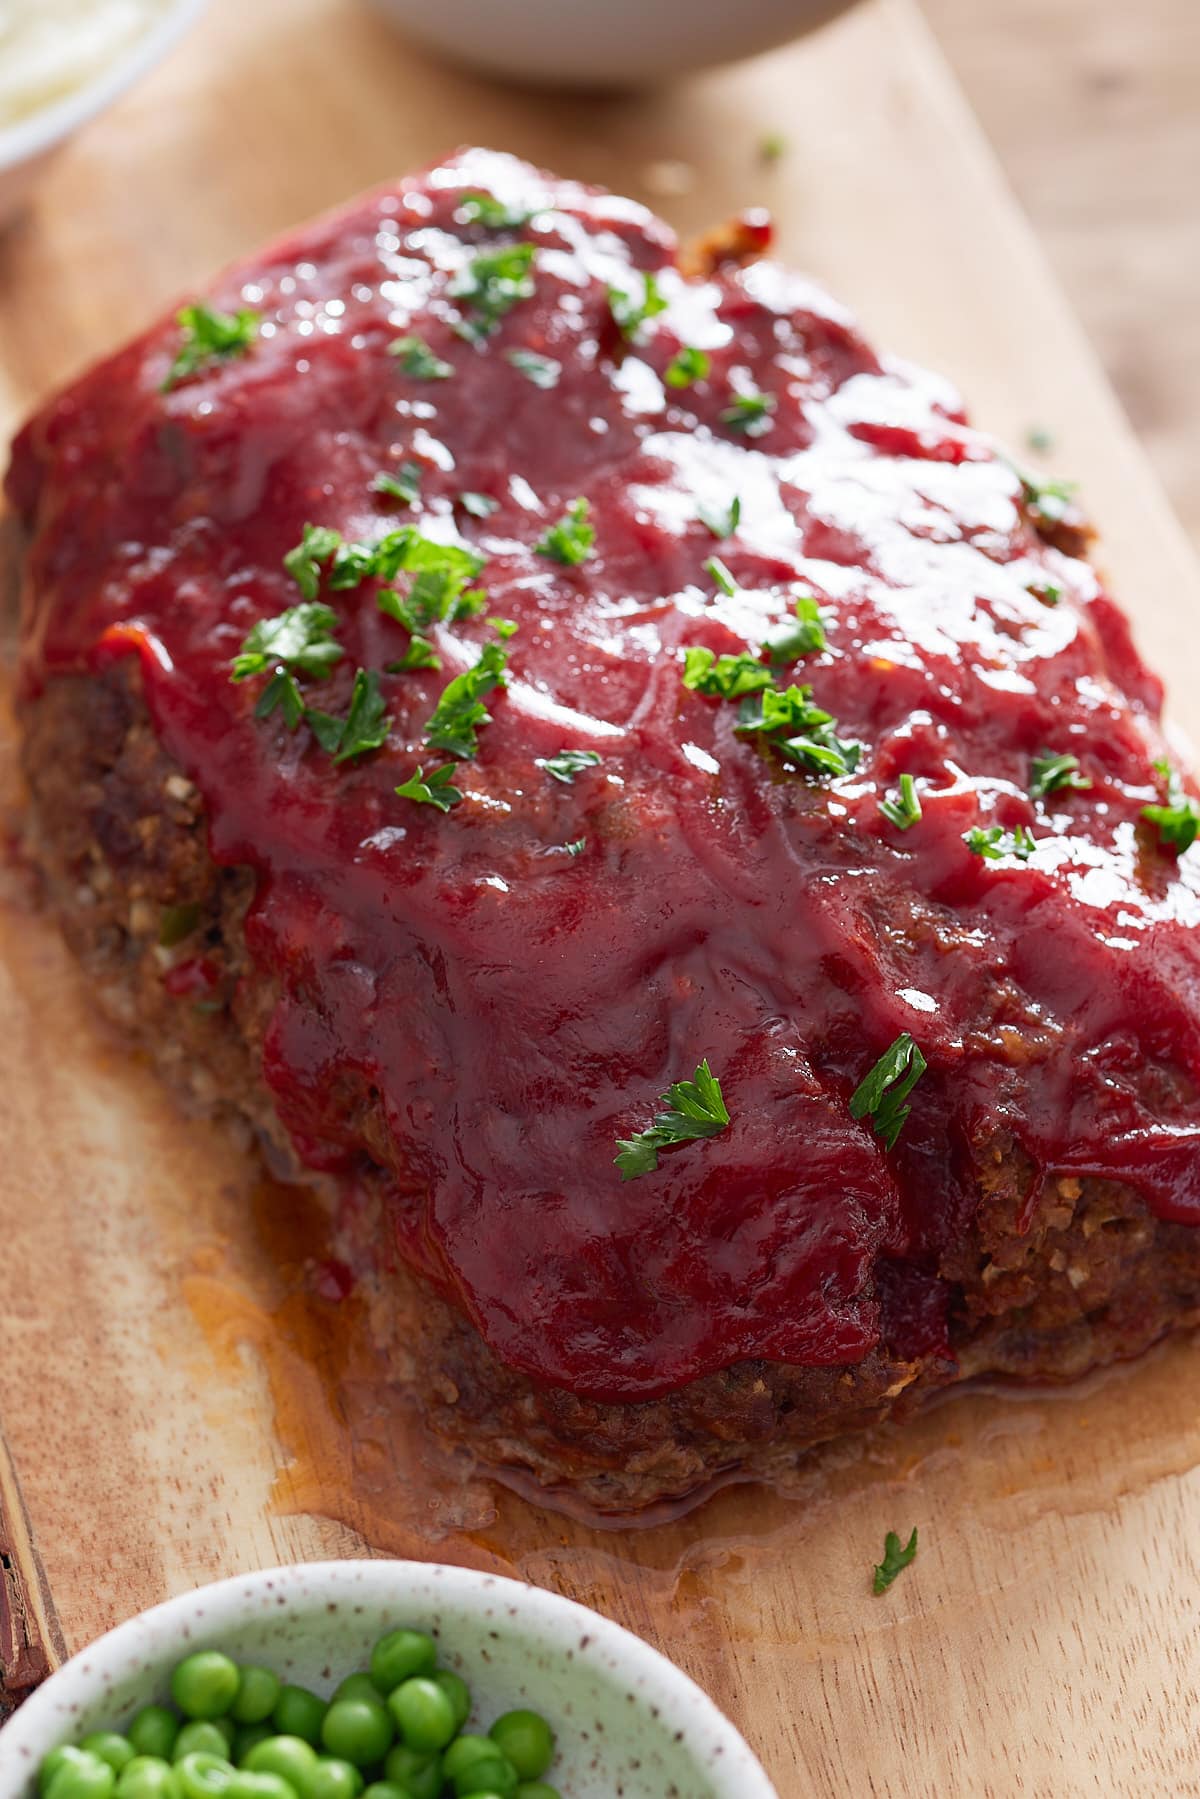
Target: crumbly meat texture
(119, 833)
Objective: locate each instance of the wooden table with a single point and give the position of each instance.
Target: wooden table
(1092, 106)
(175, 1410)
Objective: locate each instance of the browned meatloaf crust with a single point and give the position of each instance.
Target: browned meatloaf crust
(120, 834)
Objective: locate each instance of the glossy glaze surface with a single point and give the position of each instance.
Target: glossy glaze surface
(512, 1009)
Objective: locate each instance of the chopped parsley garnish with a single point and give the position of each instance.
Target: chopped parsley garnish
(880, 1096)
(994, 842)
(1048, 592)
(439, 593)
(209, 336)
(404, 484)
(318, 544)
(631, 314)
(576, 847)
(1047, 502)
(722, 522)
(365, 726)
(543, 371)
(692, 1109)
(772, 146)
(460, 711)
(418, 360)
(1050, 774)
(1040, 439)
(724, 677)
(801, 734)
(895, 1560)
(749, 413)
(479, 505)
(1178, 821)
(806, 637)
(433, 789)
(905, 810)
(687, 365)
(281, 691)
(570, 540)
(300, 639)
(504, 627)
(491, 285)
(494, 215)
(721, 575)
(419, 654)
(346, 564)
(568, 763)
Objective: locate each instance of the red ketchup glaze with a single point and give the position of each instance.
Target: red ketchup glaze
(515, 1008)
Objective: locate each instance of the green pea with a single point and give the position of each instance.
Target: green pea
(291, 1758)
(464, 1752)
(248, 1785)
(147, 1777)
(357, 1686)
(384, 1789)
(336, 1779)
(57, 1758)
(256, 1697)
(81, 1776)
(417, 1775)
(490, 1774)
(203, 1776)
(205, 1685)
(526, 1740)
(400, 1655)
(358, 1731)
(537, 1789)
(457, 1692)
(423, 1712)
(245, 1737)
(204, 1736)
(299, 1713)
(111, 1748)
(153, 1732)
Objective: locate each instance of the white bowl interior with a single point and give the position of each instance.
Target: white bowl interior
(26, 146)
(627, 1721)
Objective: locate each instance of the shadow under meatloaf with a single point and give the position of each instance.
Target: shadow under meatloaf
(119, 833)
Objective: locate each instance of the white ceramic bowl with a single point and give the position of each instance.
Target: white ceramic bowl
(603, 43)
(26, 147)
(627, 1721)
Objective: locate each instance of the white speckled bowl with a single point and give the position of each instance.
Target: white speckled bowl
(628, 1722)
(27, 146)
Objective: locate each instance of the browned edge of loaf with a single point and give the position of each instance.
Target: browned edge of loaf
(31, 1639)
(118, 833)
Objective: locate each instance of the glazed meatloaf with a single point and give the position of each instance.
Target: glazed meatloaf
(585, 750)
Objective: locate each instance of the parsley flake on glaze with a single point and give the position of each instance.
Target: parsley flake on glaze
(691, 1110)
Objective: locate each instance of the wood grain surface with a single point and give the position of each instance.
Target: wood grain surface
(181, 1395)
(1094, 109)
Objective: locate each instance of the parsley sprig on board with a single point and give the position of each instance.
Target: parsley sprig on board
(881, 1094)
(896, 1557)
(691, 1109)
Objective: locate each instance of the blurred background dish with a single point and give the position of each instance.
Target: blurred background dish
(62, 62)
(603, 43)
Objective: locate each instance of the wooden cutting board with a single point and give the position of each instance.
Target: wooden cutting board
(180, 1398)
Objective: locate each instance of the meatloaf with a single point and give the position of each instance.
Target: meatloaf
(580, 747)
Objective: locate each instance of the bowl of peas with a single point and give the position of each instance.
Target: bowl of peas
(372, 1680)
